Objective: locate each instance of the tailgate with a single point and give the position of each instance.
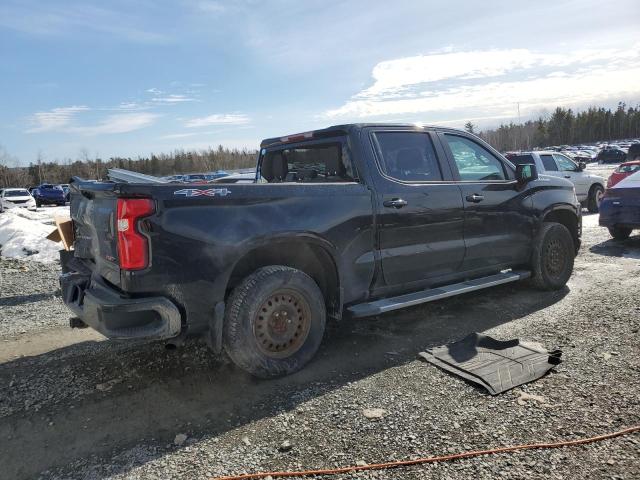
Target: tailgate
(93, 210)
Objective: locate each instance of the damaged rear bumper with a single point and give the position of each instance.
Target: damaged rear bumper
(116, 316)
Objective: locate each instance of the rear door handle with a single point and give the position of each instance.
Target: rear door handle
(395, 203)
(475, 198)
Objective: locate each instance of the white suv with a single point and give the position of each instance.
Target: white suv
(589, 187)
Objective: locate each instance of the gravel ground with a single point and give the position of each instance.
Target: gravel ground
(29, 298)
(87, 409)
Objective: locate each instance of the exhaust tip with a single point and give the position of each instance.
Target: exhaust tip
(170, 346)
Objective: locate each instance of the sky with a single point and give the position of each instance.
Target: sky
(121, 78)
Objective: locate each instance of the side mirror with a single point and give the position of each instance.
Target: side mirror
(526, 173)
(581, 166)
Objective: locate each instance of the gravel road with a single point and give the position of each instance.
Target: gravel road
(74, 406)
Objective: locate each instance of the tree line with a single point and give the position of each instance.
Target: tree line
(566, 127)
(562, 127)
(163, 164)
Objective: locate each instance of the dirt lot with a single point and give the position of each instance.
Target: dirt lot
(75, 406)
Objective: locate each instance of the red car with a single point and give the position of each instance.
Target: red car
(624, 170)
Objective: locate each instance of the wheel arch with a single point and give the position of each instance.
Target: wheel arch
(568, 218)
(313, 256)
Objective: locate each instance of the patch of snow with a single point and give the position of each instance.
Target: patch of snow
(590, 221)
(23, 234)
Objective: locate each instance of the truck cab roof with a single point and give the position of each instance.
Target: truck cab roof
(336, 130)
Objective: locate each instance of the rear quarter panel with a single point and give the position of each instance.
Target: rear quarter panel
(197, 240)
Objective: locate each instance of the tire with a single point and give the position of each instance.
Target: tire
(620, 233)
(552, 257)
(269, 346)
(38, 204)
(595, 196)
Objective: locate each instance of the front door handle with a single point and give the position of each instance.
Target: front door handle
(395, 203)
(567, 176)
(475, 198)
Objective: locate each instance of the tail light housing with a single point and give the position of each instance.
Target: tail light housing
(133, 246)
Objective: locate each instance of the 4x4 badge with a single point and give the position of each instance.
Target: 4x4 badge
(195, 192)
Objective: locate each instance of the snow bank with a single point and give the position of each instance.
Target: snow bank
(23, 234)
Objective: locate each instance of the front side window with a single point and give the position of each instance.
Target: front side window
(549, 163)
(564, 163)
(474, 162)
(408, 156)
(320, 163)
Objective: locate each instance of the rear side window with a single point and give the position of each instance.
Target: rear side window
(526, 159)
(628, 168)
(474, 162)
(408, 156)
(320, 163)
(549, 163)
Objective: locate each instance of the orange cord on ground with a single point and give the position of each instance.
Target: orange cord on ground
(444, 458)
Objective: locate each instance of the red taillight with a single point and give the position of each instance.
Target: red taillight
(133, 247)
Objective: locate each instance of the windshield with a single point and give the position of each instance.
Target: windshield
(16, 193)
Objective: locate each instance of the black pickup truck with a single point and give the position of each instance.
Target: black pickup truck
(363, 218)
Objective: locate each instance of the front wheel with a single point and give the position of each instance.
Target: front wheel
(274, 322)
(595, 197)
(552, 257)
(620, 233)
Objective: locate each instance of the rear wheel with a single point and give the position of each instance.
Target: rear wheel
(594, 199)
(274, 322)
(552, 257)
(620, 233)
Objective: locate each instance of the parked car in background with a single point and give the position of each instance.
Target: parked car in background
(216, 175)
(195, 178)
(611, 154)
(16, 197)
(623, 171)
(620, 207)
(589, 187)
(48, 194)
(66, 190)
(634, 152)
(237, 178)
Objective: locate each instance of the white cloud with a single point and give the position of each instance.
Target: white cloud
(173, 99)
(54, 119)
(122, 123)
(492, 81)
(155, 91)
(211, 7)
(218, 119)
(172, 136)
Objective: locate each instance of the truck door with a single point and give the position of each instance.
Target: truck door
(569, 170)
(498, 223)
(420, 211)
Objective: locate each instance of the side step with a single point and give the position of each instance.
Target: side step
(394, 303)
